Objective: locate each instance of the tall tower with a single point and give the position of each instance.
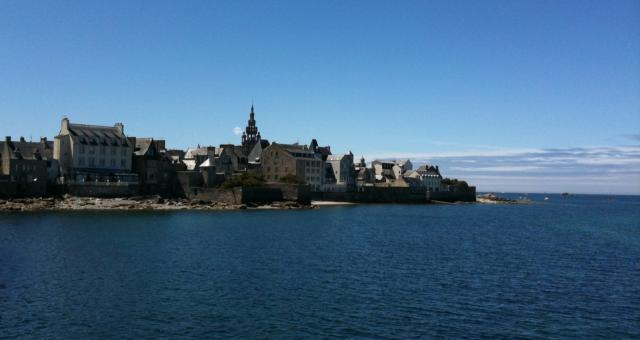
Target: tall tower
(250, 136)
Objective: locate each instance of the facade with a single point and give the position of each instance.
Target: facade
(155, 168)
(282, 160)
(391, 170)
(91, 153)
(429, 176)
(27, 166)
(228, 160)
(364, 176)
(340, 173)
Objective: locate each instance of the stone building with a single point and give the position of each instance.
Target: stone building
(27, 167)
(92, 153)
(324, 151)
(364, 176)
(390, 170)
(282, 160)
(156, 169)
(340, 173)
(429, 176)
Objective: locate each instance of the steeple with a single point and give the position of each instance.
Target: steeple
(250, 136)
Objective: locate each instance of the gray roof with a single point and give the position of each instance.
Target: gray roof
(426, 169)
(142, 146)
(22, 149)
(193, 152)
(97, 135)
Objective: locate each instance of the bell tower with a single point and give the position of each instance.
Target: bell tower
(250, 136)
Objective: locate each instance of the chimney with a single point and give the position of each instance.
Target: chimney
(7, 139)
(119, 127)
(64, 126)
(22, 140)
(160, 144)
(211, 153)
(43, 140)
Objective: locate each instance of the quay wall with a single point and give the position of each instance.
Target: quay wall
(102, 189)
(396, 195)
(246, 195)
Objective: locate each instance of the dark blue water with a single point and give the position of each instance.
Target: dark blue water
(564, 268)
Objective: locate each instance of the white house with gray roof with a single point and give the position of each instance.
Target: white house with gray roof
(94, 153)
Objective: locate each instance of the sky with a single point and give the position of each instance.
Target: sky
(524, 96)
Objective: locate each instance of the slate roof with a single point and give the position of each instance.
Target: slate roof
(97, 135)
(335, 157)
(428, 170)
(142, 146)
(402, 162)
(28, 150)
(193, 152)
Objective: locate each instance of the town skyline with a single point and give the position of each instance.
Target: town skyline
(510, 96)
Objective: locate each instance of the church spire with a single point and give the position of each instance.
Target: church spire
(251, 136)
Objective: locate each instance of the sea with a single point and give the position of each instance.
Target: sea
(560, 267)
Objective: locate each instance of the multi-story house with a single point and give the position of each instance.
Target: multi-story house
(340, 173)
(283, 160)
(390, 169)
(156, 169)
(92, 153)
(27, 166)
(364, 176)
(429, 177)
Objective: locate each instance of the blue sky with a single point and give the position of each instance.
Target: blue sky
(512, 95)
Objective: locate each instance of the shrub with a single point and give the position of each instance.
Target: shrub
(247, 179)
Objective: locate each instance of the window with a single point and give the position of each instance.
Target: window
(81, 148)
(92, 162)
(101, 161)
(81, 161)
(113, 162)
(124, 151)
(123, 163)
(103, 150)
(91, 151)
(113, 151)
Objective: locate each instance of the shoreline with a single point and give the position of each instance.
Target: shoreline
(72, 203)
(156, 203)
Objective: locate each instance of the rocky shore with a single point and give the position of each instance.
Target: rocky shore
(494, 199)
(71, 203)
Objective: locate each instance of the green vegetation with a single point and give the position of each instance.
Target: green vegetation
(247, 179)
(455, 182)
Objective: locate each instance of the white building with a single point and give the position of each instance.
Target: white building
(429, 177)
(94, 153)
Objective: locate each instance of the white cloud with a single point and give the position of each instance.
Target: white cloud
(595, 169)
(514, 168)
(237, 131)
